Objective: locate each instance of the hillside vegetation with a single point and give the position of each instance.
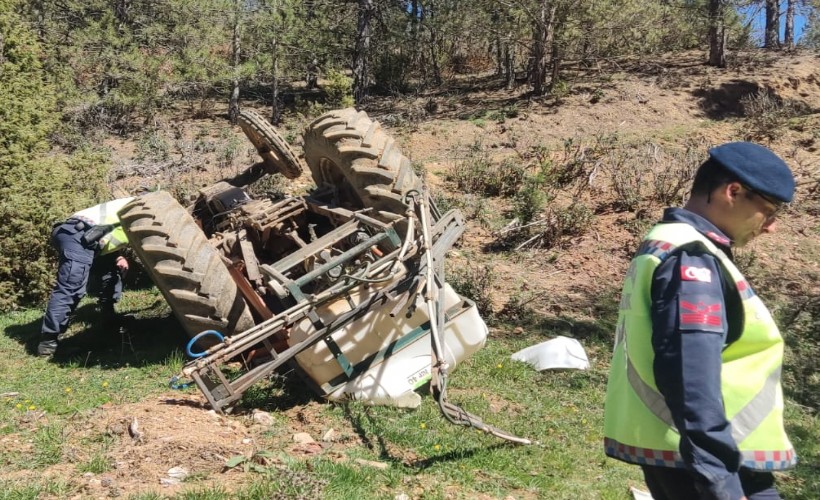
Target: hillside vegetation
(558, 184)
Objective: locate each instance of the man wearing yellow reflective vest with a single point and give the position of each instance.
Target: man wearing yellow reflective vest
(90, 236)
(694, 393)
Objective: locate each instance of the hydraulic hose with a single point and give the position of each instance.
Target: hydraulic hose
(198, 336)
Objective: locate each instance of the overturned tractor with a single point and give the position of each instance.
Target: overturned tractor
(344, 285)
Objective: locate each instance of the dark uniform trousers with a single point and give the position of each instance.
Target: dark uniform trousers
(666, 483)
(75, 265)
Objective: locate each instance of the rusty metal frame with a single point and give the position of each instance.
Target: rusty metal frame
(222, 391)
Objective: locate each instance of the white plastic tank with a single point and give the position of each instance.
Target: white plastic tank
(391, 356)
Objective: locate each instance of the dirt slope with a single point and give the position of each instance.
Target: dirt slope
(665, 99)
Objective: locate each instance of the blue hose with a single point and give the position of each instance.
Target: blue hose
(175, 384)
(199, 336)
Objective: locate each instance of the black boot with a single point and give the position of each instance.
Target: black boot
(47, 346)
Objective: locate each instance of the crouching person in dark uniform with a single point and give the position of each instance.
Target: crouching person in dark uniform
(694, 394)
(89, 237)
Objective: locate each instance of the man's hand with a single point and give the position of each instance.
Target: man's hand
(122, 265)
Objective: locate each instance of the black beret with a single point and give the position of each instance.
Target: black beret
(756, 167)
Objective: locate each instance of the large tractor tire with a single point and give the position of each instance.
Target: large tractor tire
(184, 266)
(346, 149)
(276, 153)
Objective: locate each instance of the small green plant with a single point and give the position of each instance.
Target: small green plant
(477, 173)
(470, 172)
(560, 89)
(502, 114)
(518, 309)
(258, 462)
(231, 147)
(474, 207)
(672, 177)
(309, 108)
(476, 283)
(339, 89)
(48, 445)
(767, 113)
(627, 181)
(175, 361)
(579, 161)
(573, 220)
(534, 194)
(508, 178)
(554, 230)
(443, 202)
(152, 146)
(800, 317)
(98, 464)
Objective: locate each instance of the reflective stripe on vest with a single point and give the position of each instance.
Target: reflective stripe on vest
(760, 460)
(743, 423)
(106, 213)
(638, 423)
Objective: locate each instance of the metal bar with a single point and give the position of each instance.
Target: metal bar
(341, 359)
(370, 221)
(206, 390)
(315, 247)
(251, 297)
(249, 256)
(323, 208)
(237, 387)
(353, 252)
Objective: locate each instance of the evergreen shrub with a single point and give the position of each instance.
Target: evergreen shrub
(35, 190)
(339, 89)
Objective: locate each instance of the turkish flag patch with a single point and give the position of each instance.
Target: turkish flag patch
(700, 314)
(691, 273)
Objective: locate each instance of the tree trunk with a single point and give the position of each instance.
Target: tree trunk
(415, 20)
(586, 47)
(276, 109)
(233, 107)
(543, 33)
(499, 55)
(509, 65)
(717, 30)
(434, 45)
(361, 52)
(789, 33)
(771, 38)
(555, 64)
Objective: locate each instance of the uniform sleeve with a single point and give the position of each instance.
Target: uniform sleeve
(689, 329)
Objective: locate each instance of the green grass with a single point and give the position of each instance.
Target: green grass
(425, 456)
(100, 366)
